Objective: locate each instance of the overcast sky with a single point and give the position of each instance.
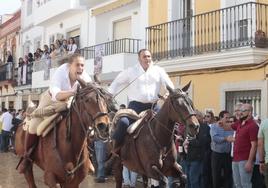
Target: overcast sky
(9, 6)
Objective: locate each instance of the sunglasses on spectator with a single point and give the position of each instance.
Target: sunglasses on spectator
(244, 110)
(207, 116)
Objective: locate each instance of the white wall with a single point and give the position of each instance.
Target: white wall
(113, 63)
(69, 23)
(54, 8)
(104, 22)
(30, 35)
(38, 79)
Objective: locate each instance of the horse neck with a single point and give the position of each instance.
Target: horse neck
(78, 136)
(163, 125)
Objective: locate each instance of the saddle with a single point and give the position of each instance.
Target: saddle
(140, 118)
(51, 115)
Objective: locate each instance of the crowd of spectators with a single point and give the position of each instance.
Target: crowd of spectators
(59, 48)
(9, 120)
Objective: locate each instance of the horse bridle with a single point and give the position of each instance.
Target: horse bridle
(181, 95)
(170, 104)
(77, 109)
(93, 118)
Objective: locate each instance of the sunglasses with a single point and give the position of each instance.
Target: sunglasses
(207, 116)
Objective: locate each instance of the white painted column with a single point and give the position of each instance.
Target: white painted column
(18, 102)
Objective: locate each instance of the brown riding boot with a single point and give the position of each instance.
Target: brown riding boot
(116, 147)
(30, 140)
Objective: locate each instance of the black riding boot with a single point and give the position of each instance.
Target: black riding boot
(30, 140)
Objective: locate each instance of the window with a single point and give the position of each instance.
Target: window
(252, 97)
(122, 29)
(11, 105)
(3, 105)
(24, 104)
(51, 39)
(29, 7)
(37, 43)
(75, 34)
(243, 29)
(36, 102)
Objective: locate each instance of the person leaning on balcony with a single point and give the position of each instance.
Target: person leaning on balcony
(64, 46)
(62, 87)
(72, 47)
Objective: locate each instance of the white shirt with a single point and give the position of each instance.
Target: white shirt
(146, 87)
(71, 48)
(61, 81)
(7, 121)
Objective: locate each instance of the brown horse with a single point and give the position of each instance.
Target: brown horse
(63, 153)
(150, 150)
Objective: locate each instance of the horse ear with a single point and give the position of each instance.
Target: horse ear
(97, 78)
(186, 87)
(82, 83)
(170, 90)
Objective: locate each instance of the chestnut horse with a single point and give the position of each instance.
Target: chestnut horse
(63, 153)
(150, 150)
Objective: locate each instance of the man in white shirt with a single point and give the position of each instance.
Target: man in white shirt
(63, 85)
(144, 81)
(6, 127)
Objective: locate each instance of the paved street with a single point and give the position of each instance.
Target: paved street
(10, 178)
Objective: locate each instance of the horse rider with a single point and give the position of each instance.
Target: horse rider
(62, 87)
(144, 81)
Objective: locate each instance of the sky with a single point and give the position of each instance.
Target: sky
(9, 6)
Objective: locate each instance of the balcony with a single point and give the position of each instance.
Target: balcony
(47, 11)
(124, 45)
(238, 26)
(6, 72)
(23, 76)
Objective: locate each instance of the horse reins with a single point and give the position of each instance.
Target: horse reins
(74, 106)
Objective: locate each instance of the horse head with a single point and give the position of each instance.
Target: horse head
(182, 109)
(92, 101)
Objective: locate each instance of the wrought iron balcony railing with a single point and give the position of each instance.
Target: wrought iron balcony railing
(232, 27)
(23, 75)
(6, 72)
(125, 45)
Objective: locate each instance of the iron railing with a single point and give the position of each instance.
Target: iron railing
(6, 72)
(23, 75)
(232, 27)
(125, 45)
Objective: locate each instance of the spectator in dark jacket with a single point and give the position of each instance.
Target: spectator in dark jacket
(194, 148)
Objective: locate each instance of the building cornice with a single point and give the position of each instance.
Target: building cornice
(228, 58)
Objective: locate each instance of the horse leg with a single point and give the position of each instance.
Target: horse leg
(50, 180)
(29, 176)
(163, 180)
(71, 186)
(182, 177)
(145, 181)
(118, 168)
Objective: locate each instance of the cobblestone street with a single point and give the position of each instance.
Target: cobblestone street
(10, 178)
